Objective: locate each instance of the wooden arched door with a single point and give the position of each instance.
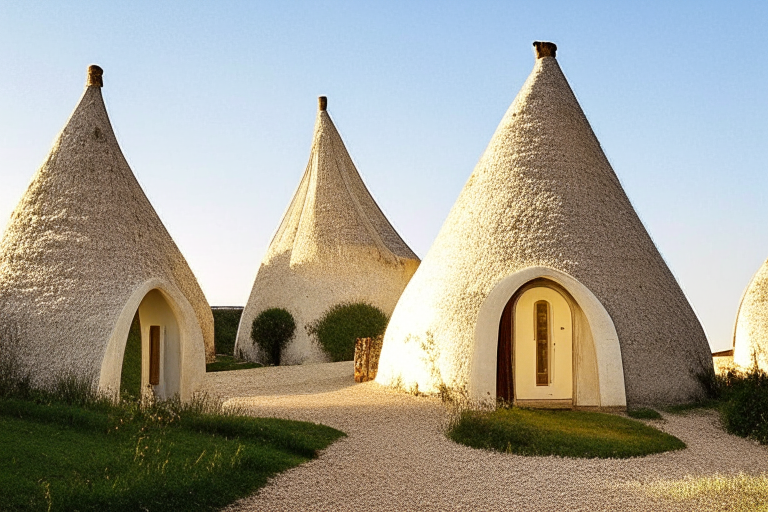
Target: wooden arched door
(534, 356)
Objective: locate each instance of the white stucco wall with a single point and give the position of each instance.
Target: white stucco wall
(750, 337)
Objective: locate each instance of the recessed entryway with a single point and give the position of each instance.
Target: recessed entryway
(535, 355)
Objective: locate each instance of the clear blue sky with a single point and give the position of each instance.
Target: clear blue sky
(214, 104)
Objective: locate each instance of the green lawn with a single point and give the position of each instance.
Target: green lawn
(55, 456)
(226, 363)
(560, 432)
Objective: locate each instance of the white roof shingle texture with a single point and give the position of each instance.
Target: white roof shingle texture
(750, 340)
(333, 245)
(544, 195)
(82, 239)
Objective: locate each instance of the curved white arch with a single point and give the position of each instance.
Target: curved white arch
(192, 346)
(482, 374)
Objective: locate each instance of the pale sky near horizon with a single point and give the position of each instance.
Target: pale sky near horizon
(213, 104)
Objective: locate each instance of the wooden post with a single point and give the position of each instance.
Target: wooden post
(154, 355)
(367, 352)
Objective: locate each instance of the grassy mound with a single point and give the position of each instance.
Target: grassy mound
(560, 432)
(644, 413)
(340, 326)
(66, 449)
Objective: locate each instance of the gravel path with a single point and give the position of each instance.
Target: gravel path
(396, 457)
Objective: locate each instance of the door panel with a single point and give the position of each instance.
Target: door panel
(543, 346)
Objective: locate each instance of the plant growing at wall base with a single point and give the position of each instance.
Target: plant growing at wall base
(342, 324)
(271, 331)
(744, 410)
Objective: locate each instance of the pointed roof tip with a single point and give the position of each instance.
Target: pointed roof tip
(322, 103)
(95, 74)
(545, 49)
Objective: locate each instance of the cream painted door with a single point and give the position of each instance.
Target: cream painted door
(543, 345)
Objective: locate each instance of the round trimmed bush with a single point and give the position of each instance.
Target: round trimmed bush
(341, 325)
(271, 331)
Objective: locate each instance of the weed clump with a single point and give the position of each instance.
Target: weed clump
(341, 325)
(744, 410)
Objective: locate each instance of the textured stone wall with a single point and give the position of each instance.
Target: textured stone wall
(544, 195)
(81, 240)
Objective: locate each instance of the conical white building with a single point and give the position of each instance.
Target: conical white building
(333, 245)
(543, 286)
(83, 252)
(750, 337)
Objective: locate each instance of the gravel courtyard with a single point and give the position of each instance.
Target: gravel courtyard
(396, 456)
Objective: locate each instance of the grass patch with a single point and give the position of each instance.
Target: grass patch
(742, 493)
(560, 432)
(644, 413)
(225, 324)
(224, 363)
(67, 449)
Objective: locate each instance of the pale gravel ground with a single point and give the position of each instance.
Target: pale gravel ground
(396, 456)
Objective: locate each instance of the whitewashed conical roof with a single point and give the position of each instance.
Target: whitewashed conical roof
(543, 195)
(81, 242)
(333, 245)
(750, 338)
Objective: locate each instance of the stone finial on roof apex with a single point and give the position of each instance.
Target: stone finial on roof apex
(544, 49)
(94, 76)
(322, 102)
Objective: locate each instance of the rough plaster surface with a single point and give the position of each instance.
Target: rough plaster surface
(82, 240)
(395, 456)
(333, 245)
(544, 195)
(750, 337)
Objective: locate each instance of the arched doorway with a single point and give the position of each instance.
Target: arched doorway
(598, 372)
(535, 345)
(151, 363)
(172, 348)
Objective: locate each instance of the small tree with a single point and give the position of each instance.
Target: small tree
(271, 331)
(341, 325)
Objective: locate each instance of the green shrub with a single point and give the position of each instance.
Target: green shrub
(341, 325)
(745, 404)
(271, 331)
(225, 324)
